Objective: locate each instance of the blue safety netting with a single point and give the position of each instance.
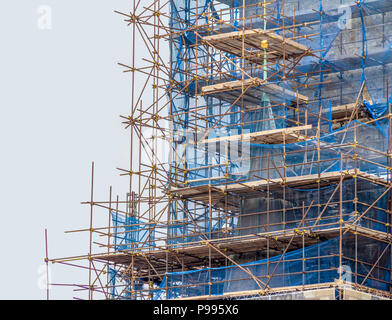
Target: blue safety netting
(263, 215)
(130, 233)
(351, 41)
(314, 264)
(120, 287)
(351, 38)
(186, 231)
(344, 149)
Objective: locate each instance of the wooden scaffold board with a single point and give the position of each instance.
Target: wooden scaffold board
(276, 47)
(276, 136)
(251, 188)
(342, 111)
(255, 87)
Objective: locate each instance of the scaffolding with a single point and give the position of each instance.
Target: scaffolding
(260, 157)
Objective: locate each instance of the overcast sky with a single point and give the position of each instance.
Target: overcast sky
(62, 93)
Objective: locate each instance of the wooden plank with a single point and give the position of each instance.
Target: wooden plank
(278, 47)
(232, 85)
(342, 111)
(268, 136)
(262, 86)
(369, 233)
(274, 89)
(291, 181)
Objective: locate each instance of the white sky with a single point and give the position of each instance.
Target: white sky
(61, 96)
